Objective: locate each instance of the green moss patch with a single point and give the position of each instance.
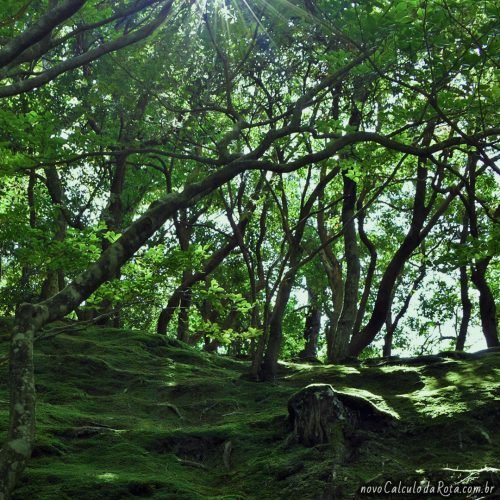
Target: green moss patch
(123, 414)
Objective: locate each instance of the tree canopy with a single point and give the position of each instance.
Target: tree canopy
(264, 179)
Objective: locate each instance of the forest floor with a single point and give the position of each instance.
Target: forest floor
(123, 414)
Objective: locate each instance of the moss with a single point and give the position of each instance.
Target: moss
(106, 428)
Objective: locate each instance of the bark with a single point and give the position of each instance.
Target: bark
(333, 273)
(268, 368)
(17, 448)
(464, 292)
(342, 336)
(114, 213)
(311, 333)
(466, 309)
(27, 270)
(312, 411)
(382, 302)
(389, 336)
(269, 365)
(183, 228)
(312, 328)
(317, 409)
(396, 265)
(55, 277)
(487, 305)
(263, 283)
(369, 273)
(106, 266)
(39, 30)
(31, 199)
(183, 318)
(113, 216)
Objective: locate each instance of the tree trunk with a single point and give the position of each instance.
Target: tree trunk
(16, 451)
(487, 306)
(183, 318)
(55, 277)
(269, 365)
(464, 291)
(389, 334)
(369, 273)
(312, 411)
(393, 270)
(311, 329)
(333, 273)
(466, 309)
(342, 336)
(113, 216)
(17, 447)
(168, 311)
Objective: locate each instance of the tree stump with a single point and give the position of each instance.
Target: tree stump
(312, 411)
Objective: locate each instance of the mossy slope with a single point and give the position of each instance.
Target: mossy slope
(122, 414)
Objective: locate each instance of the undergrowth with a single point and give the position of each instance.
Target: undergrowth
(123, 414)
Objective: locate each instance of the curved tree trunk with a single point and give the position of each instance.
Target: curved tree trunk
(269, 365)
(392, 325)
(113, 216)
(342, 336)
(191, 279)
(168, 311)
(487, 306)
(385, 290)
(183, 318)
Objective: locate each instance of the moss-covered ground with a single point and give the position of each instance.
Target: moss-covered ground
(123, 414)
